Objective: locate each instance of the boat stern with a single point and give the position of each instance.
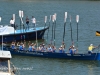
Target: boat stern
(1, 73)
(97, 56)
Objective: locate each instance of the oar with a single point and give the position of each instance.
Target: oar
(71, 30)
(64, 25)
(23, 29)
(21, 38)
(77, 20)
(14, 17)
(49, 27)
(45, 20)
(36, 34)
(20, 15)
(22, 22)
(0, 19)
(98, 47)
(64, 31)
(2, 35)
(14, 26)
(54, 26)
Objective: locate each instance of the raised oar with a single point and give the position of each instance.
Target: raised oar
(64, 25)
(20, 15)
(2, 36)
(14, 26)
(77, 20)
(23, 29)
(14, 17)
(45, 20)
(54, 26)
(71, 30)
(36, 34)
(49, 27)
(0, 19)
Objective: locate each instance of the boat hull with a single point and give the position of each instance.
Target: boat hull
(78, 56)
(26, 35)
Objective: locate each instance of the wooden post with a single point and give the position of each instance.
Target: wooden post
(9, 70)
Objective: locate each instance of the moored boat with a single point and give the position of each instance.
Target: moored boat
(9, 34)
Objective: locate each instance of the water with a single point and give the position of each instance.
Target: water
(89, 22)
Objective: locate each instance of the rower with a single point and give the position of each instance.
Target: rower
(29, 43)
(40, 47)
(61, 50)
(63, 45)
(90, 48)
(18, 44)
(21, 47)
(33, 47)
(24, 43)
(53, 49)
(43, 48)
(49, 48)
(72, 49)
(30, 47)
(13, 45)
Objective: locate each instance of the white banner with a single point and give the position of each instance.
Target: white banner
(6, 30)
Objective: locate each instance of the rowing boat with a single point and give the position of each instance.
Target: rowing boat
(46, 54)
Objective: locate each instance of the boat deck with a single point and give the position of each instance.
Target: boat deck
(30, 30)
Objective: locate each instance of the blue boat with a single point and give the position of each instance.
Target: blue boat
(76, 56)
(9, 34)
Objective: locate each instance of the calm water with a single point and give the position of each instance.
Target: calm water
(89, 22)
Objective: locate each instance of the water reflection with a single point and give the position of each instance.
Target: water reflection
(57, 66)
